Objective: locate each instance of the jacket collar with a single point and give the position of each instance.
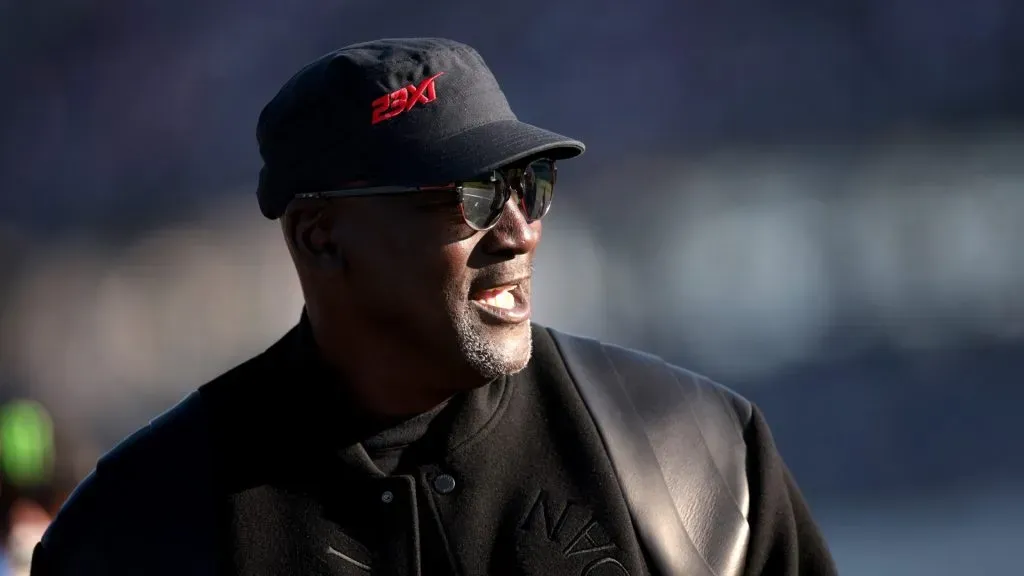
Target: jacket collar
(311, 401)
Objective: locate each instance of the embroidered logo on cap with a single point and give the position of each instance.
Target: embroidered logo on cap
(404, 99)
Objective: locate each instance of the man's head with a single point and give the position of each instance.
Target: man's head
(411, 197)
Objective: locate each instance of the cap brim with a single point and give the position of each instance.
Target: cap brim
(468, 154)
(482, 149)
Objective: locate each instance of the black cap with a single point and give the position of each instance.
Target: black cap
(408, 111)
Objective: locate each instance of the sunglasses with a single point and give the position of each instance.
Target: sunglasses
(482, 200)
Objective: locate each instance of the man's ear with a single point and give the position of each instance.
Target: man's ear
(312, 234)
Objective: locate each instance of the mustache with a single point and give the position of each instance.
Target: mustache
(502, 276)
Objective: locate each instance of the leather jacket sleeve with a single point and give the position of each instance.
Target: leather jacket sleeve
(784, 539)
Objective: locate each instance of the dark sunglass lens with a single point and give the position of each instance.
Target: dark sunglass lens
(482, 203)
(538, 188)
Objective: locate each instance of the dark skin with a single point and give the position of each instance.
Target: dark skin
(389, 282)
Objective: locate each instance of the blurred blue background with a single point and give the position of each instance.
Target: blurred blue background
(818, 204)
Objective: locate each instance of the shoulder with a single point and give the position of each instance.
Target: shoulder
(120, 491)
(649, 379)
(126, 486)
(154, 474)
(170, 444)
(699, 390)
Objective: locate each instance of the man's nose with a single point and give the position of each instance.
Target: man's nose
(513, 233)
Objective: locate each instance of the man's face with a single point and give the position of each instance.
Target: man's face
(414, 268)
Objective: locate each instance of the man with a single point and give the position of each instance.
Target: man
(415, 422)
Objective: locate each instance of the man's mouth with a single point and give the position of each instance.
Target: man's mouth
(500, 297)
(505, 304)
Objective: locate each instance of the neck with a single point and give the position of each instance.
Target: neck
(385, 379)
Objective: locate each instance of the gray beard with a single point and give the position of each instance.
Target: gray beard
(490, 359)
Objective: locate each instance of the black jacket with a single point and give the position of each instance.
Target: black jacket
(262, 472)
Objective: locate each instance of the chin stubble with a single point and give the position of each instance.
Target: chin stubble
(484, 354)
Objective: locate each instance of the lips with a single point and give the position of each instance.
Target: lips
(504, 302)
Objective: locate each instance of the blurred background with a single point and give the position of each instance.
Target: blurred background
(818, 204)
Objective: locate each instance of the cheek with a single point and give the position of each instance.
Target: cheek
(418, 276)
(378, 267)
(454, 267)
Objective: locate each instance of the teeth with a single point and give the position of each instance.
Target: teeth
(504, 300)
